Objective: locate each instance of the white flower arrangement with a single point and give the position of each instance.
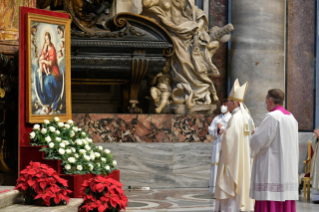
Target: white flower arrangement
(36, 127)
(44, 131)
(71, 159)
(79, 167)
(73, 146)
(67, 166)
(61, 151)
(48, 139)
(32, 135)
(52, 129)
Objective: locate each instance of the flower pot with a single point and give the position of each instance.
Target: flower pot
(31, 153)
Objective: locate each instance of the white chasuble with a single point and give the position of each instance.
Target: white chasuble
(233, 175)
(212, 129)
(275, 150)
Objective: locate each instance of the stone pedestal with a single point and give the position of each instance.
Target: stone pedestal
(257, 53)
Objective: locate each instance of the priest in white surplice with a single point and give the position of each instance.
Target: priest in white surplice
(216, 129)
(233, 175)
(275, 152)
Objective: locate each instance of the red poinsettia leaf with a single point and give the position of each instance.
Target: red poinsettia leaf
(25, 186)
(36, 165)
(43, 184)
(50, 171)
(39, 196)
(113, 203)
(100, 187)
(55, 189)
(57, 199)
(31, 172)
(115, 182)
(101, 208)
(24, 171)
(66, 198)
(31, 182)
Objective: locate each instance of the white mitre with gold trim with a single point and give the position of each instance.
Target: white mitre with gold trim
(238, 92)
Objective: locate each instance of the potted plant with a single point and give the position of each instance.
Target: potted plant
(102, 194)
(70, 151)
(41, 185)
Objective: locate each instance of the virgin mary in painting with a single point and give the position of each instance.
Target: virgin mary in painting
(48, 78)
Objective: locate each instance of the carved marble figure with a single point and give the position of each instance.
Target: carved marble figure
(194, 44)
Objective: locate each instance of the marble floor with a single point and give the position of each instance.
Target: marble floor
(184, 200)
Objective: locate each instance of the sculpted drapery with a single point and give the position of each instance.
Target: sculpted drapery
(191, 64)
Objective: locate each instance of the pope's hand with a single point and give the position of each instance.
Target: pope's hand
(219, 125)
(316, 131)
(221, 132)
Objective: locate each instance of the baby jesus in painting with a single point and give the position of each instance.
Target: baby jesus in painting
(46, 70)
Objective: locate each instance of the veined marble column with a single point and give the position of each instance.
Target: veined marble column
(300, 61)
(257, 53)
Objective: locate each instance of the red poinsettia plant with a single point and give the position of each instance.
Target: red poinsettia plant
(102, 194)
(41, 185)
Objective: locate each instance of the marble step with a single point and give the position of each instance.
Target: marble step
(8, 196)
(71, 207)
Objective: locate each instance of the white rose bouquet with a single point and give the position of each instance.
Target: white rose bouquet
(68, 143)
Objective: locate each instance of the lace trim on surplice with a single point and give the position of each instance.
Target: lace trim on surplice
(275, 187)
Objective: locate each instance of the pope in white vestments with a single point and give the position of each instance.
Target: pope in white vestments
(219, 123)
(275, 152)
(233, 175)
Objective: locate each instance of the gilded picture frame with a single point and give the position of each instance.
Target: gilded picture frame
(48, 68)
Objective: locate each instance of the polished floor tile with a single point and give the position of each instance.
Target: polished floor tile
(184, 200)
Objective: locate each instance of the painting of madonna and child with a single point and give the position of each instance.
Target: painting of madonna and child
(48, 69)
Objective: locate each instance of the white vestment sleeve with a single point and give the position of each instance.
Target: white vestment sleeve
(264, 134)
(212, 129)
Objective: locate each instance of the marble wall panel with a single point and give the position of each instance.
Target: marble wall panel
(120, 128)
(257, 53)
(143, 128)
(191, 128)
(162, 165)
(300, 61)
(218, 16)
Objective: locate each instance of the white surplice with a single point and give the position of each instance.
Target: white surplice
(233, 175)
(275, 150)
(212, 129)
